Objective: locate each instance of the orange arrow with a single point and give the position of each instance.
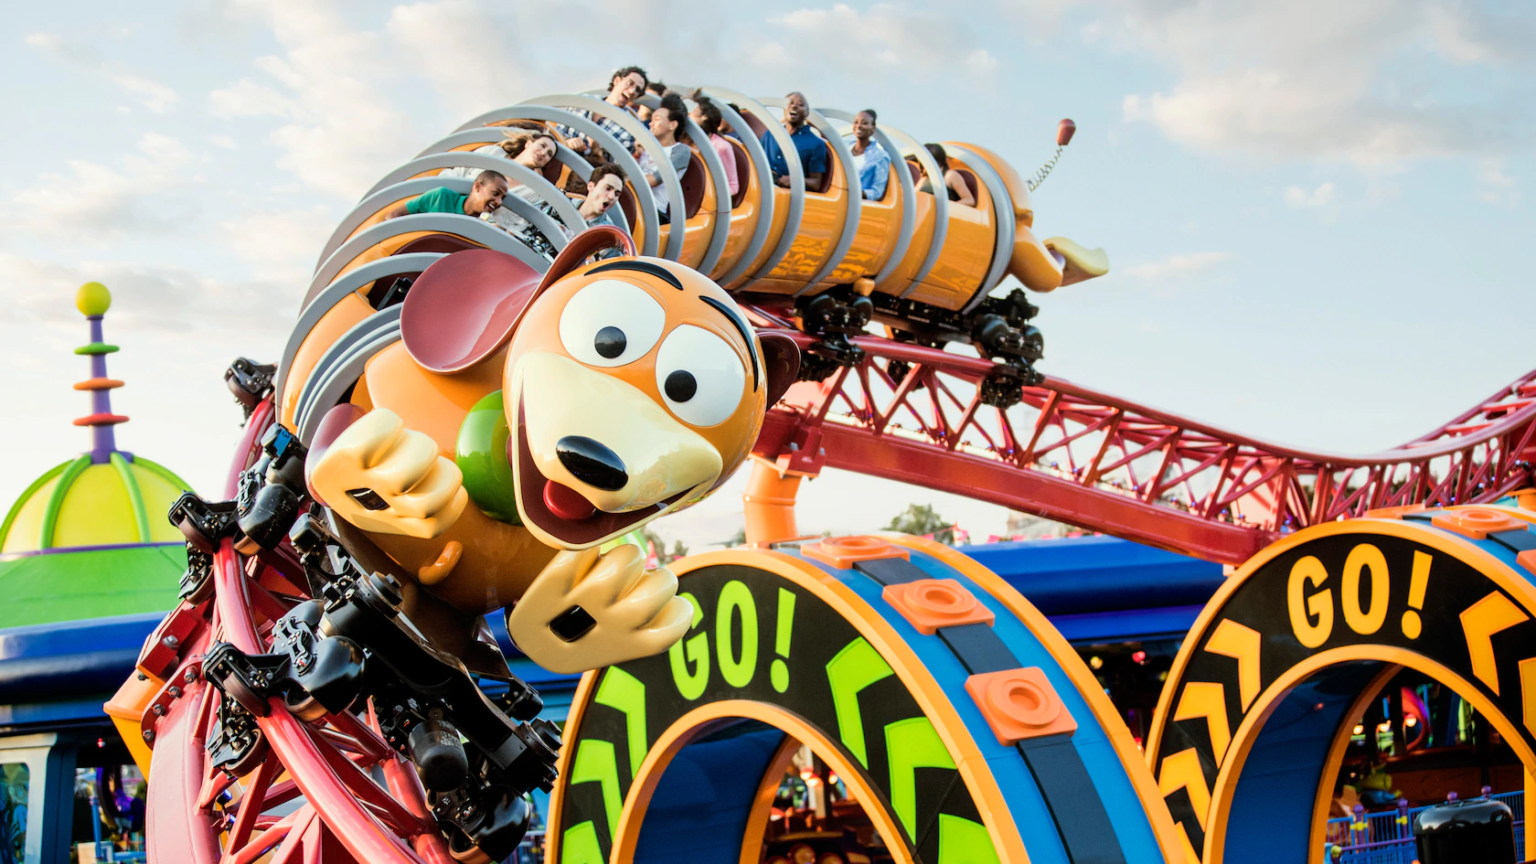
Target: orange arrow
(1479, 622)
(1528, 692)
(1241, 643)
(1182, 771)
(1209, 700)
(1190, 855)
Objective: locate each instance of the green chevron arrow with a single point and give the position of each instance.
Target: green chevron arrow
(625, 693)
(855, 667)
(595, 762)
(910, 745)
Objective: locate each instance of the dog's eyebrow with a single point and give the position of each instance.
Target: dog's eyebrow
(745, 330)
(656, 270)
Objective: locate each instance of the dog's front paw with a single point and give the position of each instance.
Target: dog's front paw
(385, 478)
(587, 610)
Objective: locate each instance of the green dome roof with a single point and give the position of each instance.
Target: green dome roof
(89, 538)
(82, 504)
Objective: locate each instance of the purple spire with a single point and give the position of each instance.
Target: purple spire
(93, 299)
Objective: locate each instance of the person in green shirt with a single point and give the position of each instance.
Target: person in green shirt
(484, 197)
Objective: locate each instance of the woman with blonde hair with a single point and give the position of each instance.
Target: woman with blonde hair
(530, 145)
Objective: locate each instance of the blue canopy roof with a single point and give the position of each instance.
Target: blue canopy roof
(1092, 589)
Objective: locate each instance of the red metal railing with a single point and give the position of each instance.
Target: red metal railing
(360, 800)
(1074, 454)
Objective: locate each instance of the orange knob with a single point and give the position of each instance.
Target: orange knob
(844, 552)
(1527, 559)
(1020, 704)
(929, 604)
(1476, 522)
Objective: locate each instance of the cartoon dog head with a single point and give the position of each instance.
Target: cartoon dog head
(632, 386)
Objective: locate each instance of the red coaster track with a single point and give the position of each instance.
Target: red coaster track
(1075, 454)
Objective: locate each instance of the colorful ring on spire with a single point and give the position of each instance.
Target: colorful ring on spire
(98, 384)
(101, 420)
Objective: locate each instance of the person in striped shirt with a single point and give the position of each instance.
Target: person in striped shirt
(624, 88)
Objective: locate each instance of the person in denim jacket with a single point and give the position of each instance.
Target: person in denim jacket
(870, 160)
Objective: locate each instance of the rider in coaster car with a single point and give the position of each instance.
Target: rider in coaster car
(521, 423)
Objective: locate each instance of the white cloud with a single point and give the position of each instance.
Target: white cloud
(1310, 79)
(1298, 197)
(1494, 186)
(280, 245)
(153, 95)
(1475, 35)
(160, 299)
(981, 63)
(1040, 20)
(246, 98)
(344, 129)
(224, 141)
(884, 35)
(1452, 38)
(770, 55)
(434, 35)
(1178, 265)
(147, 193)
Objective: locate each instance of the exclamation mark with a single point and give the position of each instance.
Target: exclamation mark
(779, 671)
(1417, 584)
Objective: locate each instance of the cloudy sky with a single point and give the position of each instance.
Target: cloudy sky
(1317, 212)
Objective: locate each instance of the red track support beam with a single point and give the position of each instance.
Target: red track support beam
(1032, 492)
(1087, 455)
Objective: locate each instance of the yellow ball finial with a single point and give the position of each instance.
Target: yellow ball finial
(93, 299)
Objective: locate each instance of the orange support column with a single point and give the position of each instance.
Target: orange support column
(769, 504)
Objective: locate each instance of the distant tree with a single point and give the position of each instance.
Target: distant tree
(660, 545)
(737, 539)
(923, 519)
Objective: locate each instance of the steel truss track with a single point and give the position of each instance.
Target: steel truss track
(1078, 455)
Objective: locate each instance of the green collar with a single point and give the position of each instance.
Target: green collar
(482, 457)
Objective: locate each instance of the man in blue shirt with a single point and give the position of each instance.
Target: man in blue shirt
(808, 145)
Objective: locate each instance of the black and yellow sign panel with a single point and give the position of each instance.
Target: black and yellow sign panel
(761, 638)
(1388, 596)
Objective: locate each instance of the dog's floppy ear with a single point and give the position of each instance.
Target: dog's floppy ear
(464, 307)
(781, 360)
(584, 245)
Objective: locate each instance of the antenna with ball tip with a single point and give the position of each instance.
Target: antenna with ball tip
(93, 300)
(1064, 132)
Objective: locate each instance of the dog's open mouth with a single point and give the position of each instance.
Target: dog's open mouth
(561, 511)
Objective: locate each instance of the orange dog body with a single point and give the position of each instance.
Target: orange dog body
(522, 422)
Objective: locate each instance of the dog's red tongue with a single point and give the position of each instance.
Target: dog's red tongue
(565, 502)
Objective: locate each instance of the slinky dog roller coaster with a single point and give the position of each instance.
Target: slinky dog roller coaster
(326, 693)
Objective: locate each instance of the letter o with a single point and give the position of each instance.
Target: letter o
(736, 598)
(1302, 608)
(1369, 621)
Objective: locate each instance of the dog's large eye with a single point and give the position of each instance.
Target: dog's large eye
(611, 323)
(699, 375)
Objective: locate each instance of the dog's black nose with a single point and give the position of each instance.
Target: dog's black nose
(592, 463)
